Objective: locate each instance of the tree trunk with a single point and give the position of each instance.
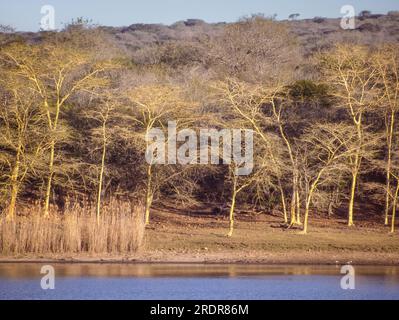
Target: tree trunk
(307, 205)
(14, 187)
(309, 200)
(394, 203)
(283, 202)
(305, 222)
(49, 180)
(388, 167)
(352, 198)
(293, 201)
(53, 128)
(100, 179)
(330, 208)
(294, 171)
(149, 195)
(231, 216)
(356, 168)
(298, 208)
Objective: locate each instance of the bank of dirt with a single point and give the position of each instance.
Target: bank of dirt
(180, 237)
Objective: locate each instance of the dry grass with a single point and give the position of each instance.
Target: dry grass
(120, 230)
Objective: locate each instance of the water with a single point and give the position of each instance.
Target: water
(194, 281)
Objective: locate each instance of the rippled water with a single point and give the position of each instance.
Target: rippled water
(195, 281)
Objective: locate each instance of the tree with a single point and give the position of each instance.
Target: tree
(247, 101)
(237, 186)
(365, 13)
(54, 72)
(259, 176)
(21, 135)
(386, 62)
(254, 49)
(348, 69)
(324, 149)
(6, 29)
(104, 116)
(263, 108)
(278, 102)
(293, 16)
(153, 106)
(394, 173)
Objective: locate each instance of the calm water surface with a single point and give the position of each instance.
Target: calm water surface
(195, 281)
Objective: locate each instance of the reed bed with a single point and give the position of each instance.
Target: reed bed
(120, 230)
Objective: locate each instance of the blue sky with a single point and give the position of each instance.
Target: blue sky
(24, 15)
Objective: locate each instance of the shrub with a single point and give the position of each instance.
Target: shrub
(369, 27)
(319, 19)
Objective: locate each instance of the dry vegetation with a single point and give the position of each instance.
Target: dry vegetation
(119, 230)
(76, 105)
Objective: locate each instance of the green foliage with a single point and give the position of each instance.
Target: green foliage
(310, 91)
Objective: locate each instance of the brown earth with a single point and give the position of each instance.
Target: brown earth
(182, 237)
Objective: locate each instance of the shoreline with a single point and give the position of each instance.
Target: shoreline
(253, 258)
(175, 238)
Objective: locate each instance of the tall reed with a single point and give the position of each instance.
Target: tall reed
(120, 230)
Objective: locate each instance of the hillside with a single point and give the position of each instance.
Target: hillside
(313, 34)
(306, 110)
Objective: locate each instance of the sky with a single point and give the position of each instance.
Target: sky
(25, 15)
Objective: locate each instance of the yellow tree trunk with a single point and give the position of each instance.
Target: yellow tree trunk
(394, 204)
(283, 202)
(388, 167)
(352, 198)
(53, 127)
(305, 222)
(294, 170)
(100, 179)
(233, 204)
(49, 180)
(356, 168)
(231, 216)
(309, 200)
(307, 207)
(14, 188)
(149, 195)
(298, 208)
(293, 202)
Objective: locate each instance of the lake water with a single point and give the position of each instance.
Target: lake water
(195, 281)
